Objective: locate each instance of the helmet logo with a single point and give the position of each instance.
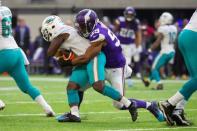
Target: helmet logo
(50, 20)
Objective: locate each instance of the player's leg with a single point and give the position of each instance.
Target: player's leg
(18, 72)
(116, 78)
(7, 61)
(128, 51)
(160, 61)
(188, 48)
(96, 73)
(78, 79)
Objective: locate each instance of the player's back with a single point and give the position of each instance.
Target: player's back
(192, 25)
(169, 33)
(75, 42)
(6, 39)
(112, 50)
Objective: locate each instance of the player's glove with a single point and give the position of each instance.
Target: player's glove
(65, 57)
(64, 63)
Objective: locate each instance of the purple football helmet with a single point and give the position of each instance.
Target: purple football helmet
(85, 21)
(129, 13)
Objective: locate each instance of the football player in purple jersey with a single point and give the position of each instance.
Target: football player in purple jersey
(102, 39)
(128, 31)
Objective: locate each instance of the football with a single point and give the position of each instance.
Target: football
(65, 54)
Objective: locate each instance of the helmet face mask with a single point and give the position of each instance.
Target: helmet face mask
(85, 21)
(129, 13)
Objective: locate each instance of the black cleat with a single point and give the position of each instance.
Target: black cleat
(158, 87)
(133, 111)
(179, 118)
(68, 117)
(167, 110)
(146, 82)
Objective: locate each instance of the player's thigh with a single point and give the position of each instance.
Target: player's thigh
(20, 74)
(79, 76)
(127, 50)
(116, 78)
(188, 47)
(8, 59)
(96, 68)
(161, 60)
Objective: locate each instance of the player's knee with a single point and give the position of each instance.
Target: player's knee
(117, 105)
(98, 86)
(72, 86)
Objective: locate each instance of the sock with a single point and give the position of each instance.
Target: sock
(73, 97)
(75, 111)
(140, 103)
(148, 104)
(80, 93)
(125, 102)
(175, 98)
(41, 101)
(111, 92)
(181, 104)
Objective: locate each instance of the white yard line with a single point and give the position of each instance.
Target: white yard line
(153, 129)
(51, 79)
(84, 113)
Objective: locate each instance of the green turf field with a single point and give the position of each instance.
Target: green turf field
(97, 112)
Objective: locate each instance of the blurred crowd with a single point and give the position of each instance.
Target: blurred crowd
(36, 50)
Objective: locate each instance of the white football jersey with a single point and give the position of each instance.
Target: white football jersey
(6, 39)
(192, 25)
(169, 36)
(75, 42)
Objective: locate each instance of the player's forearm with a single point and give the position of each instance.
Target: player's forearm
(80, 60)
(138, 39)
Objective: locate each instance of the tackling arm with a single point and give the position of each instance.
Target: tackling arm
(91, 52)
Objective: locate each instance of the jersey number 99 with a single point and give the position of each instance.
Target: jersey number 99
(6, 26)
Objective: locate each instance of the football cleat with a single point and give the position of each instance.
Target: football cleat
(154, 109)
(167, 110)
(2, 105)
(146, 82)
(158, 87)
(68, 117)
(179, 118)
(133, 111)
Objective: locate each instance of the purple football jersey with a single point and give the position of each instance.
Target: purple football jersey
(112, 50)
(126, 33)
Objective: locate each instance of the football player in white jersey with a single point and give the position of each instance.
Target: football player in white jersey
(69, 39)
(187, 44)
(166, 36)
(12, 60)
(63, 37)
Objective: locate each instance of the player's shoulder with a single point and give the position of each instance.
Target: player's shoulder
(162, 28)
(121, 19)
(173, 27)
(97, 33)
